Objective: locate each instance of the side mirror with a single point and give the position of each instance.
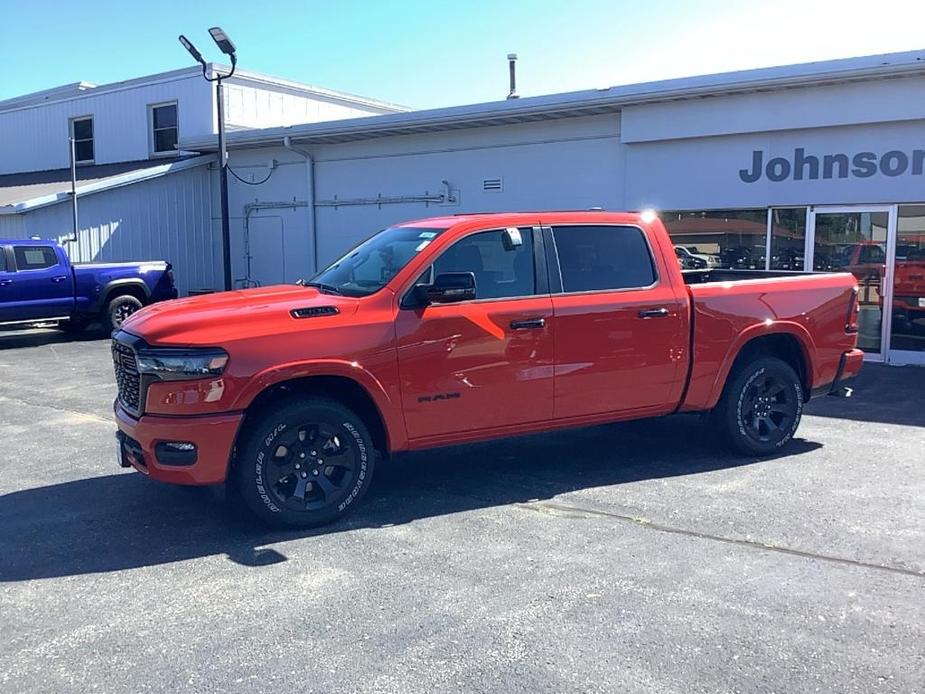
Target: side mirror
(511, 239)
(449, 287)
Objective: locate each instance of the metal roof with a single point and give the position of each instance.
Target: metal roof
(21, 192)
(79, 90)
(580, 103)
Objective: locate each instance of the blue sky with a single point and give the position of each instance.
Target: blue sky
(438, 53)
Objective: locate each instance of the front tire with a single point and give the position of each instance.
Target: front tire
(305, 462)
(761, 407)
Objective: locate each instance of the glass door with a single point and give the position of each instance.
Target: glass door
(907, 302)
(854, 239)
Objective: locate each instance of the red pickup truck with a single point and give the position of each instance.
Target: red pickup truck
(465, 328)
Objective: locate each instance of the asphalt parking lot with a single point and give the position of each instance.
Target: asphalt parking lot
(638, 557)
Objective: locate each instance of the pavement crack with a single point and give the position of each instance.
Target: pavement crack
(570, 511)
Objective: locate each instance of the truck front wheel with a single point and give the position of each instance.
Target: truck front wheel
(304, 462)
(761, 406)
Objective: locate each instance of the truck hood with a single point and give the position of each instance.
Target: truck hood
(215, 319)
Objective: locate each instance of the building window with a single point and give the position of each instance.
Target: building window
(721, 238)
(82, 132)
(164, 130)
(788, 238)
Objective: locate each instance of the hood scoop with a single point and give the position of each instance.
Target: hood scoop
(314, 311)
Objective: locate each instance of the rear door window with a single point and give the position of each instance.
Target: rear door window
(595, 258)
(3, 266)
(34, 257)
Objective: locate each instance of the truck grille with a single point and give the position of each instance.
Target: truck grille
(127, 378)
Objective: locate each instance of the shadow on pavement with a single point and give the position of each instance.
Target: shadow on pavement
(39, 337)
(124, 521)
(887, 394)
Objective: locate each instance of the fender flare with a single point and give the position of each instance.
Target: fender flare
(106, 289)
(389, 410)
(803, 338)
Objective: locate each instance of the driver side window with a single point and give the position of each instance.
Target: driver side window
(499, 273)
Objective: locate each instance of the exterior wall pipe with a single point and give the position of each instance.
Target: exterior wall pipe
(310, 173)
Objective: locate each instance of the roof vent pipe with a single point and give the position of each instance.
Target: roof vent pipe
(512, 70)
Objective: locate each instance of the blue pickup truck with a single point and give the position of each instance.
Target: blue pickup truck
(38, 283)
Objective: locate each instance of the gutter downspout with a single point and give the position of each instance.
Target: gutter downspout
(310, 173)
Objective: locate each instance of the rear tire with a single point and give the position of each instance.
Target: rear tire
(761, 407)
(304, 462)
(118, 309)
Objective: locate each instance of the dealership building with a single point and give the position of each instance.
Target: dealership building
(814, 166)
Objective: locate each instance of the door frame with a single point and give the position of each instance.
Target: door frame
(886, 285)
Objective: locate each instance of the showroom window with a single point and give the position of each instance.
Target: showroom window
(788, 238)
(908, 318)
(593, 258)
(719, 238)
(164, 130)
(82, 132)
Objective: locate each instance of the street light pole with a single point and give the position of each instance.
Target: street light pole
(223, 184)
(227, 47)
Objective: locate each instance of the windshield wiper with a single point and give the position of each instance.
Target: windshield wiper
(321, 286)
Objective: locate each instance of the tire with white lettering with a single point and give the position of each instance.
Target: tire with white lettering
(761, 407)
(304, 462)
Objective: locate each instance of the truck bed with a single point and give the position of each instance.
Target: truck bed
(727, 275)
(730, 307)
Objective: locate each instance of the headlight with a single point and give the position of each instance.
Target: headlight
(170, 364)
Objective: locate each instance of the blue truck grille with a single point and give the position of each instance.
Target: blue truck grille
(127, 378)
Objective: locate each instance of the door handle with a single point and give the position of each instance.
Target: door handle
(528, 324)
(655, 313)
(4, 283)
(59, 278)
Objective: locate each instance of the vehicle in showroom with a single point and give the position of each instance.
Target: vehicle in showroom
(689, 261)
(698, 260)
(465, 328)
(38, 283)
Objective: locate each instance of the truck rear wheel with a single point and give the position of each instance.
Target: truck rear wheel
(305, 462)
(761, 407)
(118, 309)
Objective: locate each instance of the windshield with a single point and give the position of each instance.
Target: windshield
(370, 266)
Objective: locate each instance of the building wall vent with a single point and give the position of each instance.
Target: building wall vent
(492, 185)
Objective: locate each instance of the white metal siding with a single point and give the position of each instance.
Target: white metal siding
(572, 163)
(165, 218)
(252, 107)
(35, 138)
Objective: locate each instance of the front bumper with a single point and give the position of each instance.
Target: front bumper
(213, 436)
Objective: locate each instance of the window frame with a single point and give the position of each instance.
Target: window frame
(13, 248)
(555, 268)
(92, 139)
(541, 283)
(152, 139)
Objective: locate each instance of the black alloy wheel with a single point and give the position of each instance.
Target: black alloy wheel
(312, 467)
(768, 407)
(761, 406)
(303, 462)
(118, 310)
